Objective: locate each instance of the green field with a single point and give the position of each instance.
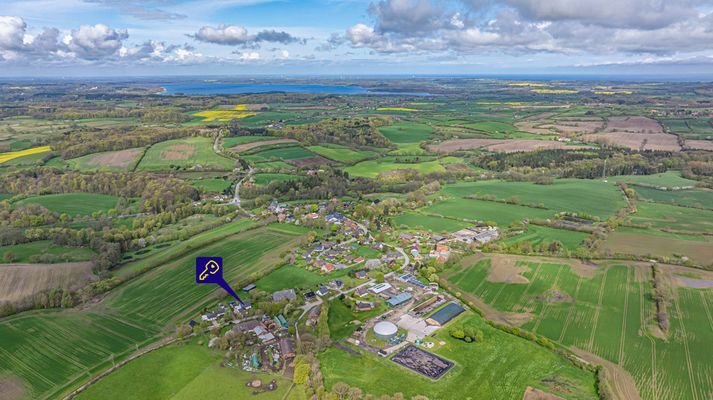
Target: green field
(341, 317)
(283, 153)
(291, 277)
(668, 179)
(479, 210)
(372, 168)
(187, 371)
(407, 132)
(73, 203)
(591, 197)
(687, 198)
(414, 220)
(232, 141)
(341, 153)
(536, 234)
(186, 153)
(24, 251)
(610, 313)
(55, 351)
(668, 217)
(212, 184)
(264, 179)
(500, 367)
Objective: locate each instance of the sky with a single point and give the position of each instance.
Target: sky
(353, 37)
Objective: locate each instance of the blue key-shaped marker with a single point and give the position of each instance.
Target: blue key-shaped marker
(210, 270)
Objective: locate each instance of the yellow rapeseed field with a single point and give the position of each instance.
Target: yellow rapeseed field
(555, 91)
(4, 157)
(238, 112)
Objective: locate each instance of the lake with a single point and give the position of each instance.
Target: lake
(217, 87)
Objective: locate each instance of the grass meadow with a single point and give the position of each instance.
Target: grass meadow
(610, 313)
(54, 351)
(500, 367)
(73, 203)
(185, 153)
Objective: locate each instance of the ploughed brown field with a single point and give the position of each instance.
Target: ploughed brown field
(19, 282)
(499, 145)
(249, 146)
(121, 158)
(636, 133)
(699, 144)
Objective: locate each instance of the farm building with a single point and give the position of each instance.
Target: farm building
(382, 287)
(364, 305)
(287, 294)
(445, 314)
(480, 235)
(399, 299)
(249, 287)
(385, 330)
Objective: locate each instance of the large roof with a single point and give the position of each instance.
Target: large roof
(385, 328)
(446, 313)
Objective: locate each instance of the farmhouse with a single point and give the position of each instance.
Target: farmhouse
(287, 294)
(475, 234)
(399, 299)
(445, 314)
(364, 305)
(382, 287)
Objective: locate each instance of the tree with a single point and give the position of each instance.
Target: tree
(9, 257)
(301, 373)
(341, 389)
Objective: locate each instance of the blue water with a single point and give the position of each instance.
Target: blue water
(238, 88)
(218, 87)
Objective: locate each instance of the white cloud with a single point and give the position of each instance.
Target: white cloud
(234, 35)
(93, 42)
(250, 56)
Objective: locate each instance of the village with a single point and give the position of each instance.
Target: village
(397, 312)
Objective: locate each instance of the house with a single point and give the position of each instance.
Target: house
(286, 348)
(313, 316)
(192, 323)
(376, 289)
(249, 287)
(361, 292)
(335, 218)
(445, 314)
(246, 326)
(358, 260)
(391, 256)
(326, 267)
(238, 307)
(309, 295)
(322, 291)
(361, 274)
(287, 294)
(263, 334)
(399, 299)
(364, 305)
(336, 284)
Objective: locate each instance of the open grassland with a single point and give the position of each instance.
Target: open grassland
(500, 145)
(256, 144)
(19, 282)
(240, 111)
(187, 153)
(24, 251)
(55, 351)
(479, 210)
(212, 184)
(341, 153)
(283, 153)
(372, 168)
(187, 371)
(673, 218)
(401, 109)
(121, 160)
(414, 220)
(265, 179)
(73, 203)
(650, 243)
(4, 157)
(686, 198)
(608, 312)
(665, 180)
(232, 141)
(591, 197)
(407, 132)
(500, 367)
(536, 234)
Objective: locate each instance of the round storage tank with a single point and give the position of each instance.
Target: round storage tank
(385, 330)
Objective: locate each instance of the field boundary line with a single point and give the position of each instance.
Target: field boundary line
(687, 353)
(622, 338)
(570, 311)
(643, 323)
(143, 154)
(547, 304)
(708, 311)
(598, 310)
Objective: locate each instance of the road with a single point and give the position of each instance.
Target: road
(236, 194)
